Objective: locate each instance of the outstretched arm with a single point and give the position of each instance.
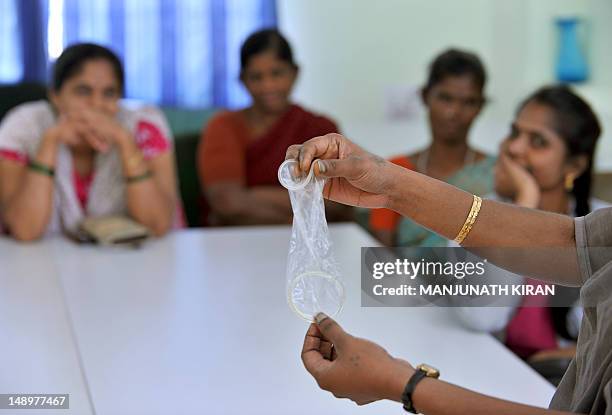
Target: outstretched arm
(359, 178)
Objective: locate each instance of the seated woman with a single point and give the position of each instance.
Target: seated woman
(83, 154)
(546, 162)
(454, 96)
(240, 151)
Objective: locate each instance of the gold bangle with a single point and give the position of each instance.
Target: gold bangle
(469, 221)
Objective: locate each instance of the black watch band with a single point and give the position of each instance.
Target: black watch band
(409, 389)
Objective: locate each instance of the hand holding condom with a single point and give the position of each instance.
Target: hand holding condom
(314, 281)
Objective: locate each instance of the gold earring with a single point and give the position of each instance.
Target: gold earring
(569, 182)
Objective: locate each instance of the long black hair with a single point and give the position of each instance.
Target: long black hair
(72, 59)
(455, 62)
(578, 126)
(263, 41)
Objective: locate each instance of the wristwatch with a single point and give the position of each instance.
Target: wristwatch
(422, 371)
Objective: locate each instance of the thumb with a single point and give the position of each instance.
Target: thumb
(331, 330)
(348, 168)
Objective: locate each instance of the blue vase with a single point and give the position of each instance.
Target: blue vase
(571, 63)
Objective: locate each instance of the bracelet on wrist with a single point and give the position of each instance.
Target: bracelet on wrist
(41, 168)
(470, 220)
(139, 177)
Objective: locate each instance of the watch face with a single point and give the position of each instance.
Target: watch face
(430, 372)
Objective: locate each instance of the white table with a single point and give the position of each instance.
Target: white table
(37, 349)
(198, 323)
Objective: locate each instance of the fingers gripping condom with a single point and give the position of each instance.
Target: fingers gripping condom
(314, 281)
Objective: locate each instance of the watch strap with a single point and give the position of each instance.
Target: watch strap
(409, 389)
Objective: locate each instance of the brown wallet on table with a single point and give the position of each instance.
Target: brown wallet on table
(113, 230)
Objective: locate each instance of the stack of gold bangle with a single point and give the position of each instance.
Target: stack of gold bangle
(469, 222)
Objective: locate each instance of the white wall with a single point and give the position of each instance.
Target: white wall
(352, 51)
